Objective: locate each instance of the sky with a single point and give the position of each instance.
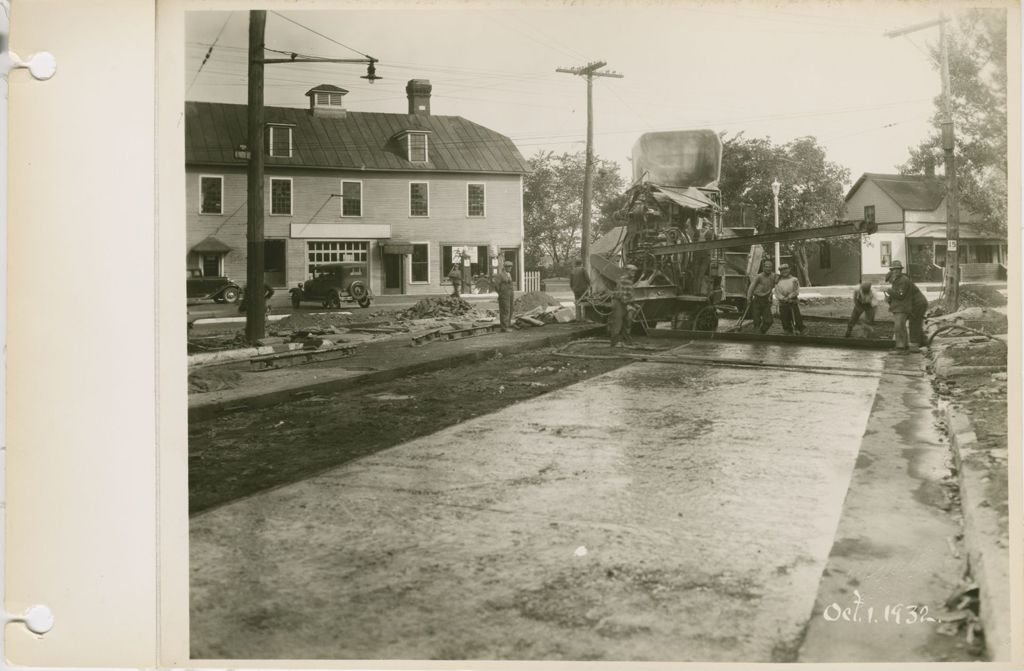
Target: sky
(769, 70)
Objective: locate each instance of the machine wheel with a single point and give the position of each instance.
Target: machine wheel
(706, 319)
(296, 300)
(230, 295)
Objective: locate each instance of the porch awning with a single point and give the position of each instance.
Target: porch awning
(211, 245)
(689, 197)
(396, 247)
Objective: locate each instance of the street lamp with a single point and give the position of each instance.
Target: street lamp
(775, 201)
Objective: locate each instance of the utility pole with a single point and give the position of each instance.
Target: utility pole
(255, 298)
(590, 70)
(951, 276)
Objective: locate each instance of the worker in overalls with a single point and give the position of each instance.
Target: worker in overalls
(505, 287)
(864, 303)
(620, 322)
(759, 297)
(455, 276)
(907, 305)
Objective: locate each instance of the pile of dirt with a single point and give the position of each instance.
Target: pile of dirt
(534, 299)
(438, 306)
(971, 296)
(212, 379)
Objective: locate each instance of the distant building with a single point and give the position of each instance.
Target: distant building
(910, 211)
(404, 194)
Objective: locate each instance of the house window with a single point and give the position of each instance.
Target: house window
(477, 255)
(824, 256)
(418, 147)
(351, 199)
(335, 251)
(869, 214)
(420, 264)
(886, 253)
(280, 195)
(212, 189)
(280, 141)
(475, 196)
(982, 254)
(939, 255)
(419, 199)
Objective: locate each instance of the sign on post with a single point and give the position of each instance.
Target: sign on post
(951, 245)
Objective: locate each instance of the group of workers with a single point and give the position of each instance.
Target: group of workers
(786, 289)
(907, 303)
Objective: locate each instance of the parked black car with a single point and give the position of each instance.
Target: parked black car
(220, 289)
(334, 283)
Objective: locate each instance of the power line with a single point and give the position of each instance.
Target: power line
(326, 37)
(209, 52)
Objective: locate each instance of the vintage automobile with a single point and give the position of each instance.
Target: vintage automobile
(333, 283)
(220, 289)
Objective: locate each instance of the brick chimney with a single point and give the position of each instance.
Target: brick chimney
(929, 166)
(418, 91)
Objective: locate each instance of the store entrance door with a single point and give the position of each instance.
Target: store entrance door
(394, 276)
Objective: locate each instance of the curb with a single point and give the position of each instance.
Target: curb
(988, 562)
(228, 355)
(214, 409)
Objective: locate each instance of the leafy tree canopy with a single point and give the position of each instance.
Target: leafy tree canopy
(978, 78)
(812, 188)
(553, 205)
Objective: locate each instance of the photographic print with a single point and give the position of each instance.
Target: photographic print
(670, 332)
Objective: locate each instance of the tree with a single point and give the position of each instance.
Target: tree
(812, 194)
(553, 205)
(978, 78)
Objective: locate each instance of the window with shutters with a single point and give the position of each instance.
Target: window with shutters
(211, 189)
(475, 200)
(280, 196)
(419, 263)
(418, 147)
(351, 198)
(279, 141)
(419, 199)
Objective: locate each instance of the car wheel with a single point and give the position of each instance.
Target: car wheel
(230, 295)
(364, 302)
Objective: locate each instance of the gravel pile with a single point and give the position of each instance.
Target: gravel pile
(534, 299)
(434, 306)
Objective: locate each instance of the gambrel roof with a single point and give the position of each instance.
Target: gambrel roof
(356, 140)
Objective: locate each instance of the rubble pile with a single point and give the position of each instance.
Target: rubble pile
(534, 299)
(977, 318)
(434, 306)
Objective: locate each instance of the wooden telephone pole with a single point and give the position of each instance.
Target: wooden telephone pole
(255, 298)
(590, 70)
(951, 276)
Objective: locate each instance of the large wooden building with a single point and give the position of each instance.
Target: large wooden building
(403, 193)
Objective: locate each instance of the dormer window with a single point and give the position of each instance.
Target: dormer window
(327, 99)
(279, 141)
(418, 147)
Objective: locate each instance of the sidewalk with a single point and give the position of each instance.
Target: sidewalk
(375, 361)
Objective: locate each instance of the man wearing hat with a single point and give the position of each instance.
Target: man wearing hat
(787, 292)
(620, 321)
(505, 287)
(907, 305)
(759, 297)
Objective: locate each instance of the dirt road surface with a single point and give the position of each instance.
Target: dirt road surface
(657, 511)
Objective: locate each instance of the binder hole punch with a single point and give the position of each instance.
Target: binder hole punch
(41, 65)
(37, 619)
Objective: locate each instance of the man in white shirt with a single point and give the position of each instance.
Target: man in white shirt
(864, 303)
(787, 292)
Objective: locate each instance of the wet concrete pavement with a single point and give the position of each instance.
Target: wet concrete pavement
(660, 511)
